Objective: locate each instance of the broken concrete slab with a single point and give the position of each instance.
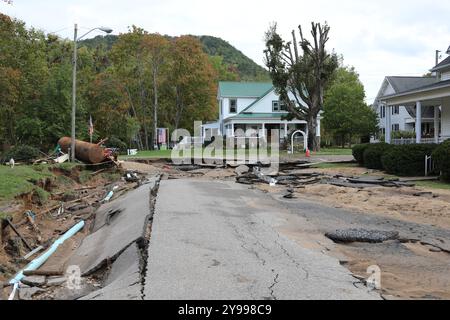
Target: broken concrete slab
(56, 281)
(362, 235)
(124, 280)
(241, 170)
(34, 281)
(27, 293)
(114, 233)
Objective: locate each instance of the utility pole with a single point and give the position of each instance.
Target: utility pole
(437, 57)
(74, 82)
(74, 93)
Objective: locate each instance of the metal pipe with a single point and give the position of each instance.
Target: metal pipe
(85, 151)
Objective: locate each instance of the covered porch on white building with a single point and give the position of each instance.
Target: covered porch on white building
(431, 100)
(263, 128)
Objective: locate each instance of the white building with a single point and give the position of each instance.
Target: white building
(254, 108)
(410, 103)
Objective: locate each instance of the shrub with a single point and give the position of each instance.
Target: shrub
(115, 142)
(441, 158)
(21, 153)
(373, 153)
(358, 152)
(407, 160)
(403, 134)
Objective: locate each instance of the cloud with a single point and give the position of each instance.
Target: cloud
(379, 38)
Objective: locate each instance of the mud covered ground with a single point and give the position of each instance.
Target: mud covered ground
(416, 266)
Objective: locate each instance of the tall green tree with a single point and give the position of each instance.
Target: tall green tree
(303, 70)
(346, 115)
(192, 79)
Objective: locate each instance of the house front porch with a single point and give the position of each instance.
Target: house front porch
(431, 100)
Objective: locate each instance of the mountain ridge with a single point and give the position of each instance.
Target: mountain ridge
(247, 69)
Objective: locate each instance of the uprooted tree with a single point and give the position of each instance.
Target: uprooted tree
(301, 70)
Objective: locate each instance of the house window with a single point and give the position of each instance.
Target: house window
(395, 110)
(382, 112)
(396, 127)
(275, 106)
(233, 106)
(279, 106)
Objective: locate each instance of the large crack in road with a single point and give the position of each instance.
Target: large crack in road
(219, 240)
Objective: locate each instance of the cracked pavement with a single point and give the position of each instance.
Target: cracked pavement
(219, 240)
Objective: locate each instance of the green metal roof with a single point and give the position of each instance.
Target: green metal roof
(243, 89)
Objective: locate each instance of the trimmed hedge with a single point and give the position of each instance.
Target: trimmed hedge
(21, 153)
(358, 152)
(373, 153)
(441, 158)
(407, 160)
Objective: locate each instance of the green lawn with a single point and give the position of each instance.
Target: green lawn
(166, 154)
(149, 154)
(335, 165)
(335, 152)
(433, 184)
(20, 179)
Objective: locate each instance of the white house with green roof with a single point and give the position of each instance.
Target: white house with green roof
(252, 107)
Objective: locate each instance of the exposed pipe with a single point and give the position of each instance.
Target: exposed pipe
(36, 263)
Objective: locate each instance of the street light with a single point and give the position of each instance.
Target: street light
(74, 82)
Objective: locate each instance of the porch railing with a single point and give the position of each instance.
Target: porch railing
(402, 141)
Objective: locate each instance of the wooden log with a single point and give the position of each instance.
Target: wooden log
(19, 235)
(48, 273)
(35, 227)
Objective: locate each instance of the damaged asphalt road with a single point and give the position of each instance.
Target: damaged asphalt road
(218, 240)
(118, 242)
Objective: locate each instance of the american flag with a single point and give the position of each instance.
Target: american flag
(91, 126)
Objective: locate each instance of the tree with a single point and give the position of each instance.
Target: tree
(346, 115)
(303, 69)
(193, 83)
(156, 48)
(224, 72)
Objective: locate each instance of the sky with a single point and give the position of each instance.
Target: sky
(377, 37)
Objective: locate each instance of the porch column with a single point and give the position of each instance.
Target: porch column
(285, 129)
(318, 126)
(388, 126)
(418, 122)
(263, 129)
(436, 124)
(232, 129)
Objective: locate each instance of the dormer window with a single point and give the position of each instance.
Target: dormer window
(279, 106)
(233, 105)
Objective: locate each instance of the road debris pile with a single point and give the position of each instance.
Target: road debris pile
(362, 235)
(298, 179)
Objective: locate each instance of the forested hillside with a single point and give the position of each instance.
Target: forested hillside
(233, 59)
(128, 84)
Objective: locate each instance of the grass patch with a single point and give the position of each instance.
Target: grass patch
(64, 181)
(334, 165)
(334, 152)
(84, 176)
(433, 184)
(41, 195)
(20, 179)
(5, 215)
(165, 154)
(111, 176)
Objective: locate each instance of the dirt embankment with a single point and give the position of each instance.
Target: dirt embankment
(71, 195)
